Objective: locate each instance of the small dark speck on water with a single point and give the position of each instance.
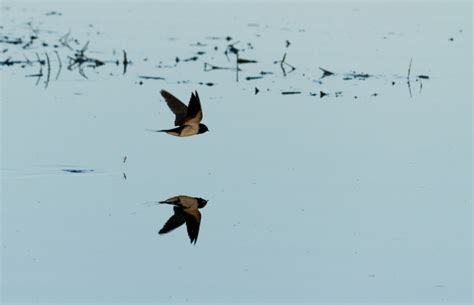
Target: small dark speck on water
(77, 171)
(207, 84)
(313, 94)
(140, 83)
(393, 83)
(194, 58)
(423, 76)
(253, 77)
(290, 92)
(256, 90)
(53, 13)
(151, 77)
(321, 94)
(375, 94)
(451, 39)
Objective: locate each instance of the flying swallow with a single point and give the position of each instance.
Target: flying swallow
(185, 211)
(188, 119)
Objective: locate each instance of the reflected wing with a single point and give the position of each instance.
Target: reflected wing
(182, 201)
(194, 112)
(178, 108)
(174, 222)
(193, 220)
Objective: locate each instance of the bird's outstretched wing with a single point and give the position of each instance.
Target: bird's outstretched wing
(175, 221)
(194, 111)
(172, 200)
(178, 108)
(193, 221)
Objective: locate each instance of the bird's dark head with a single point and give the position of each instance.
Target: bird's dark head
(203, 128)
(201, 202)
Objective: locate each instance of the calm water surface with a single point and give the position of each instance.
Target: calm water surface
(360, 195)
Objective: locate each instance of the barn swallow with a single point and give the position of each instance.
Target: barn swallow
(187, 118)
(185, 211)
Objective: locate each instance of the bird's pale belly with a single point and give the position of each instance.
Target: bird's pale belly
(189, 130)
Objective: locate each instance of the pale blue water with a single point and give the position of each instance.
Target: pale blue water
(332, 199)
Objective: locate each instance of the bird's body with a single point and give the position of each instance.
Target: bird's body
(188, 118)
(185, 211)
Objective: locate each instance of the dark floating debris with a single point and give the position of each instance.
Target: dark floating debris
(374, 94)
(200, 53)
(209, 67)
(34, 75)
(265, 73)
(125, 62)
(151, 77)
(77, 171)
(451, 39)
(246, 61)
(313, 94)
(124, 159)
(30, 42)
(53, 13)
(231, 49)
(80, 61)
(65, 40)
(355, 75)
(207, 84)
(408, 77)
(288, 43)
(283, 63)
(194, 58)
(322, 94)
(290, 92)
(8, 40)
(198, 44)
(256, 91)
(326, 73)
(253, 77)
(423, 76)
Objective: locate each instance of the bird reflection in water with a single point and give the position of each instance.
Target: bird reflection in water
(186, 210)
